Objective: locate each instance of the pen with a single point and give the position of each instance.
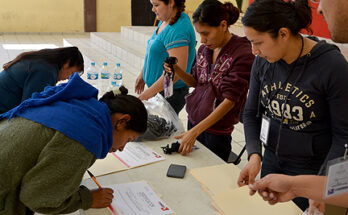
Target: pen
(100, 187)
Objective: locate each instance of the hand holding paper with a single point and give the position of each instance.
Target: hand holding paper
(273, 188)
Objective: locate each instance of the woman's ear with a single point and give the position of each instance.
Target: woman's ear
(123, 121)
(284, 33)
(171, 3)
(223, 25)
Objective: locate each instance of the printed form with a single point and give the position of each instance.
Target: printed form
(138, 198)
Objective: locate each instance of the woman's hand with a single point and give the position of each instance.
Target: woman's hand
(167, 68)
(314, 205)
(145, 95)
(250, 171)
(274, 188)
(188, 141)
(102, 198)
(139, 84)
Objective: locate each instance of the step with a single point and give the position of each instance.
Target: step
(139, 34)
(92, 52)
(142, 33)
(129, 51)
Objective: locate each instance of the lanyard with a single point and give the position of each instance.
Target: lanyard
(287, 96)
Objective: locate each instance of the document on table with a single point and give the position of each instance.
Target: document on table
(238, 201)
(138, 198)
(217, 179)
(135, 198)
(134, 154)
(137, 154)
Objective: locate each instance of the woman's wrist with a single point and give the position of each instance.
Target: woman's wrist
(255, 158)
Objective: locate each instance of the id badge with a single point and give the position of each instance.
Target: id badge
(337, 177)
(265, 125)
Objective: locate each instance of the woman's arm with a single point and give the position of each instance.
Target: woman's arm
(189, 137)
(185, 77)
(181, 53)
(139, 83)
(282, 188)
(251, 122)
(53, 184)
(336, 94)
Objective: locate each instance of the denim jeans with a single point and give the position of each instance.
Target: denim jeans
(219, 144)
(271, 164)
(177, 100)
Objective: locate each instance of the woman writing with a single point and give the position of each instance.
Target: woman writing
(51, 139)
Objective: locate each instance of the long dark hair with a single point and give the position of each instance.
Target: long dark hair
(127, 104)
(58, 56)
(180, 6)
(271, 15)
(212, 12)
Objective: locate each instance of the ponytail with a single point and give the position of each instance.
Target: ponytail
(119, 102)
(212, 12)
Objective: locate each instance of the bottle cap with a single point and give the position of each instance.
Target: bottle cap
(105, 63)
(93, 63)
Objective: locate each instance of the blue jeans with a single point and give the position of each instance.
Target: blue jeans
(271, 164)
(177, 100)
(219, 144)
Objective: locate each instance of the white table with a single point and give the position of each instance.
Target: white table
(184, 196)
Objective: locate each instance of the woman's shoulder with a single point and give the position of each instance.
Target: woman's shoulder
(240, 42)
(183, 25)
(239, 47)
(328, 51)
(40, 65)
(36, 65)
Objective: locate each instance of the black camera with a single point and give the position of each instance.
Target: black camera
(171, 61)
(173, 148)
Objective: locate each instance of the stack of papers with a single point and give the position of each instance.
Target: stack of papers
(238, 201)
(220, 182)
(134, 154)
(217, 179)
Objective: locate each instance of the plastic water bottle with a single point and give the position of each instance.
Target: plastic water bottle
(105, 78)
(117, 76)
(92, 75)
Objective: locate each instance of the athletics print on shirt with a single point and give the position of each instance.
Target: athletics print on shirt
(299, 110)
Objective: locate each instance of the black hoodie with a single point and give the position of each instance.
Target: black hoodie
(315, 122)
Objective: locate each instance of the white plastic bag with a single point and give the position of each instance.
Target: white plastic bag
(163, 122)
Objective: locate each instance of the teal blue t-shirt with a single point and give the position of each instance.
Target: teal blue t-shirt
(179, 34)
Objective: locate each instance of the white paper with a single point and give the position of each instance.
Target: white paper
(137, 154)
(337, 179)
(138, 198)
